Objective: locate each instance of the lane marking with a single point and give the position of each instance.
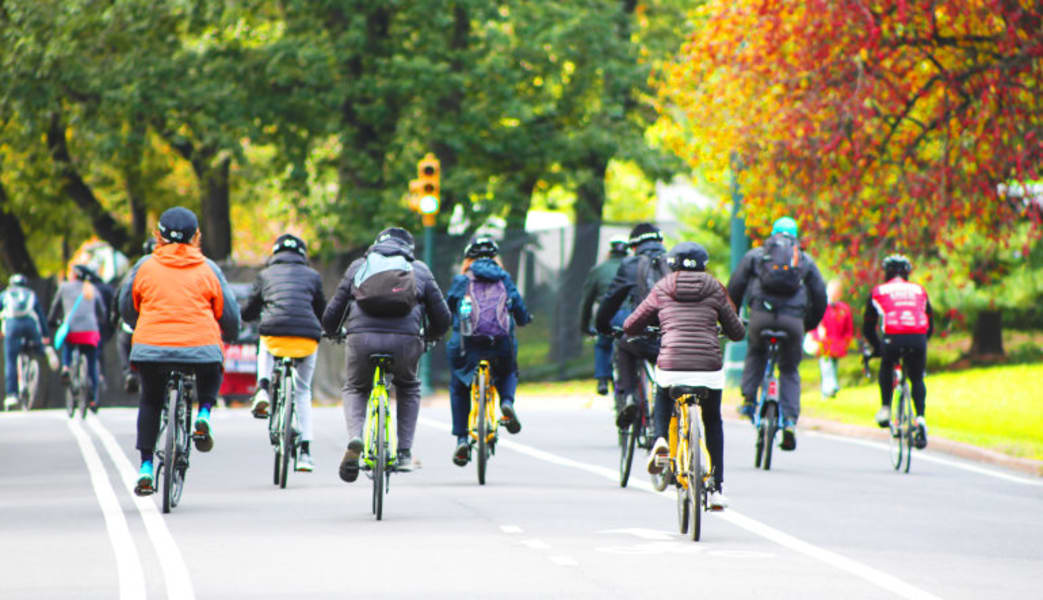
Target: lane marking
(175, 572)
(510, 529)
(931, 458)
(535, 544)
(128, 563)
(642, 533)
(564, 561)
(862, 571)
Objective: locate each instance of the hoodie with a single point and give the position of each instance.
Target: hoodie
(180, 307)
(688, 305)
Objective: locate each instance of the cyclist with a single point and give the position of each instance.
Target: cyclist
(23, 323)
(595, 286)
(485, 306)
(287, 297)
(80, 304)
(688, 304)
(124, 332)
(903, 312)
(180, 307)
(635, 277)
(785, 292)
(382, 302)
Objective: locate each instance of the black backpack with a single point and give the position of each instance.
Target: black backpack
(385, 286)
(778, 267)
(650, 269)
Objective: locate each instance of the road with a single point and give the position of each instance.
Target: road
(831, 519)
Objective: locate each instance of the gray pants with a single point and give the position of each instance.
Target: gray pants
(302, 391)
(405, 351)
(789, 359)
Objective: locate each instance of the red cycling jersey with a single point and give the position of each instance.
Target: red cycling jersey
(902, 306)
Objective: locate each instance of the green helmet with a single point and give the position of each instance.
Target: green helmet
(784, 225)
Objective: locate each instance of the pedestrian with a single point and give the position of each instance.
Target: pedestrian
(595, 286)
(833, 337)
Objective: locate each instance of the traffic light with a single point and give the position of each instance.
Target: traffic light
(429, 172)
(415, 193)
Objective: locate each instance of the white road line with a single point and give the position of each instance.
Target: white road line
(128, 563)
(931, 458)
(534, 544)
(873, 576)
(510, 529)
(564, 561)
(175, 572)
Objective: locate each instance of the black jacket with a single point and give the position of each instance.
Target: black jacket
(431, 302)
(809, 303)
(623, 284)
(287, 297)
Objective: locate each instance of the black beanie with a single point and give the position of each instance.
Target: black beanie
(642, 232)
(397, 233)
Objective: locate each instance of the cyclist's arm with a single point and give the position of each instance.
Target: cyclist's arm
(128, 304)
(340, 304)
(728, 317)
(226, 308)
(318, 298)
(610, 303)
(57, 312)
(644, 315)
(930, 319)
(816, 294)
(41, 318)
(438, 317)
(869, 322)
(251, 310)
(518, 310)
(101, 313)
(740, 279)
(586, 307)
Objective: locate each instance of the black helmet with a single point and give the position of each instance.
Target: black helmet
(618, 246)
(148, 246)
(482, 247)
(83, 272)
(643, 232)
(18, 279)
(897, 265)
(687, 256)
(290, 242)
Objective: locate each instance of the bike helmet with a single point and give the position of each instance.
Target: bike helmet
(482, 247)
(82, 272)
(291, 243)
(618, 246)
(643, 232)
(687, 256)
(18, 279)
(897, 265)
(784, 225)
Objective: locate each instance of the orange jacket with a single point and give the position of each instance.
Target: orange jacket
(180, 307)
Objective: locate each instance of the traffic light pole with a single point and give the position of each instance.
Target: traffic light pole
(425, 359)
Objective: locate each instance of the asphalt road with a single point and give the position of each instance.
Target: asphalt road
(829, 520)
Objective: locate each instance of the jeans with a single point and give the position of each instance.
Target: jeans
(827, 366)
(603, 357)
(405, 351)
(154, 378)
(460, 397)
(91, 354)
(302, 398)
(18, 331)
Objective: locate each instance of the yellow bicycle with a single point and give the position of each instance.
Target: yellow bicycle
(689, 463)
(482, 423)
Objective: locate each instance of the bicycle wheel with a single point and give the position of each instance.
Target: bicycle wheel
(910, 425)
(896, 445)
(286, 433)
(32, 384)
(626, 452)
(482, 426)
(81, 378)
(684, 507)
(381, 463)
(170, 448)
(769, 424)
(274, 413)
(696, 490)
(183, 444)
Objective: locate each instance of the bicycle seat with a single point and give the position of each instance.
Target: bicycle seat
(381, 359)
(699, 391)
(769, 334)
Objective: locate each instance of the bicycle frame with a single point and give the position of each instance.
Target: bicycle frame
(173, 458)
(483, 372)
(284, 440)
(769, 389)
(378, 397)
(679, 429)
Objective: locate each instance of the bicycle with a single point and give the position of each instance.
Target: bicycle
(767, 418)
(380, 446)
(482, 423)
(78, 390)
(176, 432)
(283, 425)
(689, 461)
(902, 426)
(28, 375)
(639, 432)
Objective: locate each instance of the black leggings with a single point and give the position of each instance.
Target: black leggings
(154, 378)
(914, 345)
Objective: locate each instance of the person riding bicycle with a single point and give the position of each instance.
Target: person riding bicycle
(903, 311)
(485, 305)
(595, 286)
(79, 303)
(382, 302)
(124, 332)
(786, 293)
(181, 308)
(287, 297)
(23, 324)
(636, 276)
(688, 304)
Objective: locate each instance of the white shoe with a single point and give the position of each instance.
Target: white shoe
(304, 463)
(883, 416)
(717, 501)
(52, 358)
(10, 401)
(659, 456)
(259, 408)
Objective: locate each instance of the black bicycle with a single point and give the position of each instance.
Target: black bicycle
(283, 426)
(78, 391)
(176, 433)
(767, 417)
(639, 432)
(902, 426)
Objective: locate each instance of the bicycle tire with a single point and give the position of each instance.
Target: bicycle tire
(381, 462)
(483, 426)
(896, 445)
(684, 507)
(286, 433)
(81, 376)
(170, 448)
(770, 424)
(183, 442)
(32, 389)
(758, 453)
(910, 426)
(274, 411)
(695, 474)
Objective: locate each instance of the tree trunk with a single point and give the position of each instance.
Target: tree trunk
(215, 221)
(515, 234)
(16, 257)
(987, 340)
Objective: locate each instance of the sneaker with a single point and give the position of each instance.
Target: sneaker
(131, 385)
(658, 457)
(746, 409)
(626, 416)
(920, 437)
(93, 406)
(717, 500)
(65, 376)
(510, 418)
(203, 435)
(404, 460)
(10, 401)
(883, 417)
(259, 407)
(304, 463)
(602, 387)
(789, 438)
(462, 453)
(52, 358)
(349, 465)
(146, 477)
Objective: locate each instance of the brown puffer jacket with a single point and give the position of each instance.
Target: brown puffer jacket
(689, 305)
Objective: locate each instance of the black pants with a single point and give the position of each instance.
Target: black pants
(914, 361)
(790, 353)
(154, 378)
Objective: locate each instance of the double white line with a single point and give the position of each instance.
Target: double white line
(128, 561)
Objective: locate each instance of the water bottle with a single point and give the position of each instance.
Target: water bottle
(466, 327)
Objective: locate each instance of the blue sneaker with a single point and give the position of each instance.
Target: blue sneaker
(203, 436)
(746, 409)
(789, 435)
(146, 477)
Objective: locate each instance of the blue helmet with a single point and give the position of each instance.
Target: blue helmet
(784, 225)
(19, 280)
